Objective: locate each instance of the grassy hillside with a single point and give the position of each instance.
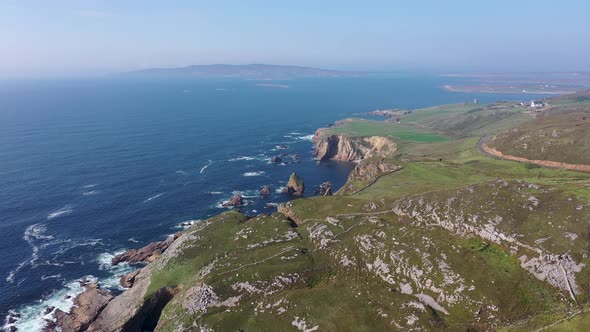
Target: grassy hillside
(563, 137)
(445, 239)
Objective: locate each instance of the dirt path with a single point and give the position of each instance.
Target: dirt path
(485, 149)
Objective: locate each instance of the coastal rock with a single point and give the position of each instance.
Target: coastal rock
(87, 306)
(350, 148)
(295, 186)
(235, 200)
(287, 210)
(276, 159)
(265, 190)
(325, 189)
(127, 280)
(148, 253)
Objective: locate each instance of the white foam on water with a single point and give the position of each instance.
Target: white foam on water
(91, 192)
(305, 138)
(280, 190)
(32, 318)
(31, 235)
(88, 186)
(116, 271)
(63, 211)
(246, 193)
(258, 173)
(206, 166)
(181, 172)
(215, 192)
(295, 133)
(132, 240)
(241, 158)
(153, 197)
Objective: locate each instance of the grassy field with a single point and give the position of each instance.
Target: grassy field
(438, 245)
(361, 127)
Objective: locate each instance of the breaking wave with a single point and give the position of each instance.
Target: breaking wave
(258, 173)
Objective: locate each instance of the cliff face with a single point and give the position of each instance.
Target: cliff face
(348, 148)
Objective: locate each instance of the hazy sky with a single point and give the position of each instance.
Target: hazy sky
(59, 37)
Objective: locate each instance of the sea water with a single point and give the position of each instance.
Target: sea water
(92, 167)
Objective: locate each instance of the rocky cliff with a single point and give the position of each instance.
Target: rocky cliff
(345, 147)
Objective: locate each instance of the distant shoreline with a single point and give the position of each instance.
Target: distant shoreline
(484, 88)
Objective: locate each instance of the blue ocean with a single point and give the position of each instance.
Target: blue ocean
(92, 167)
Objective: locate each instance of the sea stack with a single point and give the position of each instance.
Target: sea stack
(264, 191)
(295, 185)
(235, 200)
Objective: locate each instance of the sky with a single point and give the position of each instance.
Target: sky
(95, 37)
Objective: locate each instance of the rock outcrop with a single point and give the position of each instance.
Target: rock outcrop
(235, 200)
(350, 148)
(265, 190)
(87, 306)
(325, 189)
(370, 170)
(127, 280)
(287, 210)
(147, 254)
(295, 186)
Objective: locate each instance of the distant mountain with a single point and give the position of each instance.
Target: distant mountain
(252, 71)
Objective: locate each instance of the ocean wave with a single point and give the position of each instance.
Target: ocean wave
(153, 197)
(132, 240)
(88, 186)
(63, 211)
(305, 138)
(280, 190)
(33, 317)
(181, 172)
(206, 166)
(258, 173)
(91, 192)
(53, 276)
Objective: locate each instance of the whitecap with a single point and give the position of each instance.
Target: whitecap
(91, 192)
(215, 192)
(63, 211)
(281, 190)
(53, 276)
(153, 197)
(205, 167)
(258, 173)
(305, 138)
(295, 133)
(132, 240)
(90, 186)
(181, 172)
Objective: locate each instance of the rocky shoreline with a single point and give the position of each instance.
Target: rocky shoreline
(97, 309)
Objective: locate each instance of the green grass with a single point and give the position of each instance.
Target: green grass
(360, 127)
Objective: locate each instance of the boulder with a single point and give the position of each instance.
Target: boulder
(276, 159)
(235, 200)
(265, 190)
